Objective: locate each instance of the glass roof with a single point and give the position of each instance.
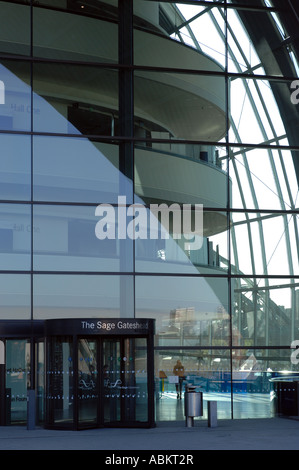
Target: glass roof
(263, 175)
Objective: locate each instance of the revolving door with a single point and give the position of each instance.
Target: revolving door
(99, 377)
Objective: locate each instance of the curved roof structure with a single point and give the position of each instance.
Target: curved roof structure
(258, 46)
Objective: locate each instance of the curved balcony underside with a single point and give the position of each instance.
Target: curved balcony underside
(188, 105)
(163, 177)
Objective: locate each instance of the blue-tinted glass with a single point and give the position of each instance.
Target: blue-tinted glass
(15, 236)
(77, 170)
(15, 97)
(189, 311)
(77, 296)
(65, 240)
(15, 297)
(15, 167)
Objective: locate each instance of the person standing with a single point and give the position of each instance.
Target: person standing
(179, 371)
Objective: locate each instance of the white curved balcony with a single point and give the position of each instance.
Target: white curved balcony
(165, 177)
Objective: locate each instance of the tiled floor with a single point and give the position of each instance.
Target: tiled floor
(243, 405)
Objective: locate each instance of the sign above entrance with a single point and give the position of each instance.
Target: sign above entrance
(112, 326)
(102, 326)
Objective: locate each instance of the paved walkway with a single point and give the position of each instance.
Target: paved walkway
(253, 434)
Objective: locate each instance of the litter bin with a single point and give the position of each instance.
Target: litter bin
(193, 404)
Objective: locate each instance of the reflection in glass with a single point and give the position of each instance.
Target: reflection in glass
(15, 236)
(15, 96)
(266, 312)
(125, 380)
(88, 396)
(189, 311)
(207, 370)
(15, 297)
(254, 375)
(174, 238)
(73, 99)
(77, 170)
(15, 167)
(65, 239)
(17, 379)
(79, 296)
(60, 381)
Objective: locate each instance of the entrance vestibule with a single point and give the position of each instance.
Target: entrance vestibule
(99, 374)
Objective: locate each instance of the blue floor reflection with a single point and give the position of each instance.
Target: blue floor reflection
(241, 405)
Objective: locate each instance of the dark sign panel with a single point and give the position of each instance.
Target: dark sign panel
(103, 326)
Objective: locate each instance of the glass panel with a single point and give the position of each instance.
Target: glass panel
(15, 96)
(15, 28)
(265, 243)
(17, 380)
(41, 381)
(164, 244)
(125, 380)
(264, 178)
(255, 374)
(74, 99)
(285, 161)
(189, 311)
(96, 39)
(112, 380)
(104, 10)
(159, 168)
(15, 297)
(257, 104)
(258, 44)
(137, 377)
(77, 170)
(266, 312)
(88, 396)
(15, 167)
(242, 55)
(198, 27)
(180, 105)
(60, 382)
(15, 236)
(208, 370)
(66, 239)
(174, 236)
(79, 296)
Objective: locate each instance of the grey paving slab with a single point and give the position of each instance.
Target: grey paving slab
(254, 434)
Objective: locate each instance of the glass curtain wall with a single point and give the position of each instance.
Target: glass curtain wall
(150, 170)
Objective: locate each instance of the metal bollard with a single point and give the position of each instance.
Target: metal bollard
(212, 414)
(31, 410)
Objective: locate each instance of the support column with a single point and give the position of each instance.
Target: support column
(2, 385)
